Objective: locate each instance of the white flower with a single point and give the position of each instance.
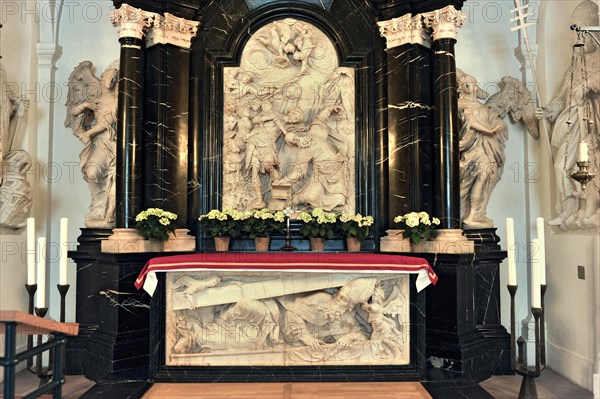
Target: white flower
(279, 216)
(436, 221)
(164, 221)
(398, 219)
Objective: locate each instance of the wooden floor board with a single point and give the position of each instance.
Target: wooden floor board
(331, 390)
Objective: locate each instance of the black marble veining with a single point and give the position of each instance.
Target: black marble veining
(129, 179)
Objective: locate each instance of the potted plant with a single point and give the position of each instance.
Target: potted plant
(318, 226)
(155, 223)
(355, 228)
(223, 225)
(418, 227)
(261, 224)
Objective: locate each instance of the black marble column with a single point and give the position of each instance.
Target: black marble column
(409, 129)
(446, 185)
(165, 131)
(129, 183)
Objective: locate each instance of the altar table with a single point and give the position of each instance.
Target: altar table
(287, 262)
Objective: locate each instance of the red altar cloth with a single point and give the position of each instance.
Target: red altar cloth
(287, 262)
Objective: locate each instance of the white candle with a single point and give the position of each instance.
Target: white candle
(30, 251)
(510, 249)
(536, 292)
(582, 154)
(40, 296)
(541, 249)
(63, 246)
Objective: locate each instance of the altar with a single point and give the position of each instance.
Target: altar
(302, 314)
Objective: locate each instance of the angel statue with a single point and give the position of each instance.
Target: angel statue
(92, 115)
(482, 140)
(15, 190)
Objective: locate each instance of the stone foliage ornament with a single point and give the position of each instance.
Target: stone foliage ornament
(92, 116)
(289, 122)
(482, 141)
(15, 190)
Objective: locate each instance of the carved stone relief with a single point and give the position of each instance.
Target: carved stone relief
(266, 319)
(288, 128)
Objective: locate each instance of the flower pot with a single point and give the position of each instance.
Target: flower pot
(353, 244)
(317, 244)
(221, 244)
(262, 244)
(154, 245)
(419, 248)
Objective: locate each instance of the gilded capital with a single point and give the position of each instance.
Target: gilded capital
(171, 29)
(132, 22)
(445, 22)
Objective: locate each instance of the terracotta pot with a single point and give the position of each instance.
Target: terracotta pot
(317, 244)
(262, 244)
(155, 245)
(419, 248)
(221, 244)
(353, 244)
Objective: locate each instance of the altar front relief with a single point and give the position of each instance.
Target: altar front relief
(294, 319)
(289, 122)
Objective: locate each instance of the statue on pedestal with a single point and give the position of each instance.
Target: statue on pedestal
(482, 140)
(92, 115)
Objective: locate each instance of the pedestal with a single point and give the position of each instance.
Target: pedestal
(488, 256)
(112, 315)
(453, 341)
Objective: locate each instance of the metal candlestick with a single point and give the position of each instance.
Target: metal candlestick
(31, 289)
(288, 233)
(43, 376)
(62, 289)
(528, 388)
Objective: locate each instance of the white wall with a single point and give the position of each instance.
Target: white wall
(572, 304)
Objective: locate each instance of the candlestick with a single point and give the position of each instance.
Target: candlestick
(40, 300)
(582, 153)
(40, 312)
(542, 249)
(63, 249)
(288, 233)
(31, 251)
(62, 289)
(31, 288)
(510, 244)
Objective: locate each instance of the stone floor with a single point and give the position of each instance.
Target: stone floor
(550, 386)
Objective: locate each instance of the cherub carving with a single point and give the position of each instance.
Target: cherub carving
(482, 140)
(92, 115)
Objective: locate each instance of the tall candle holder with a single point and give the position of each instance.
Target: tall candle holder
(62, 290)
(42, 375)
(528, 388)
(31, 289)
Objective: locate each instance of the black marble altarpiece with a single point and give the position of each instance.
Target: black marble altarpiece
(402, 149)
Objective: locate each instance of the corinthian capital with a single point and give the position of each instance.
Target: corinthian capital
(132, 22)
(172, 30)
(445, 22)
(397, 31)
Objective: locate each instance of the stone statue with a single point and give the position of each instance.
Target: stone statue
(570, 126)
(92, 115)
(15, 190)
(288, 75)
(482, 140)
